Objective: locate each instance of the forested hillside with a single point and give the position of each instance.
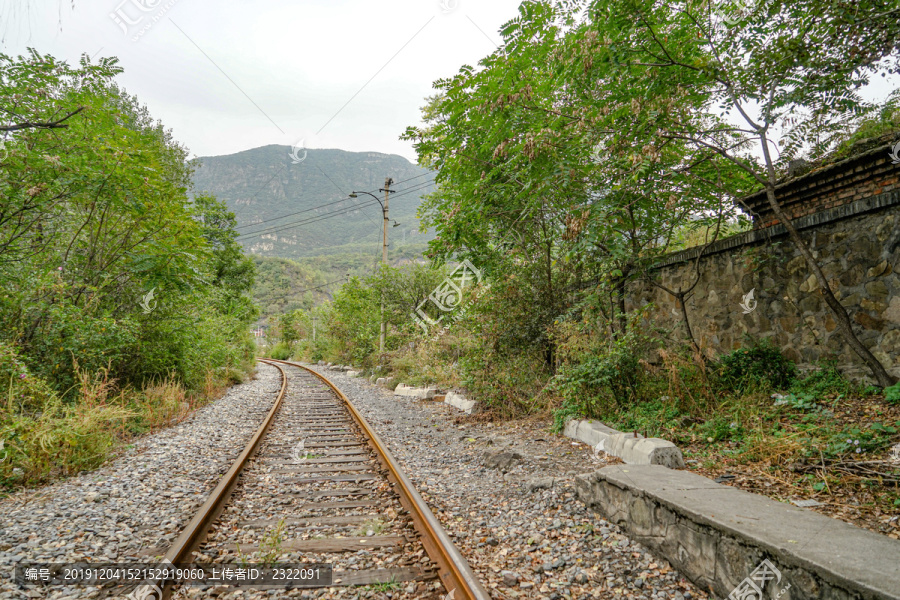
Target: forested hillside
(295, 209)
(284, 285)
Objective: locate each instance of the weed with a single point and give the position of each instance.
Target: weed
(823, 381)
(758, 367)
(390, 585)
(721, 428)
(270, 546)
(855, 440)
(369, 528)
(804, 402)
(892, 394)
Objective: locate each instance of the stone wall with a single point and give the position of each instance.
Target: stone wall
(857, 246)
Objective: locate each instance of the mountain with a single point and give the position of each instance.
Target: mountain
(301, 209)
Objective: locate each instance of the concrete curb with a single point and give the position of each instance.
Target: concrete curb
(414, 392)
(633, 449)
(719, 537)
(461, 402)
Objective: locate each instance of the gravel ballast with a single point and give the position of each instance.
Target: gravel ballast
(132, 509)
(505, 493)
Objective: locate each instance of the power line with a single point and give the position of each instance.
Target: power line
(415, 188)
(278, 228)
(323, 206)
(411, 178)
(306, 210)
(321, 286)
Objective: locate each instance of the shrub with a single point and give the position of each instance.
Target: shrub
(892, 394)
(761, 366)
(566, 412)
(280, 351)
(656, 417)
(22, 390)
(508, 385)
(602, 381)
(824, 380)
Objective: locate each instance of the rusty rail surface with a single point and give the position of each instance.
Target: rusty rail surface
(454, 571)
(198, 527)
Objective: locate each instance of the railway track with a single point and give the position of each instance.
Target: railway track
(316, 486)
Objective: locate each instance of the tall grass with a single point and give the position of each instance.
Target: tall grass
(64, 437)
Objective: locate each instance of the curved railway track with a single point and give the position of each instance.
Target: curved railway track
(316, 485)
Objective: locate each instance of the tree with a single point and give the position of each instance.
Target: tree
(403, 289)
(536, 178)
(103, 257)
(720, 82)
(40, 96)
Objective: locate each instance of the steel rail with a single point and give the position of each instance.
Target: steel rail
(453, 569)
(196, 530)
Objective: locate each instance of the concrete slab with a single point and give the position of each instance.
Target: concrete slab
(678, 513)
(387, 382)
(589, 432)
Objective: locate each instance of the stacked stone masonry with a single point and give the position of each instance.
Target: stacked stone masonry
(858, 248)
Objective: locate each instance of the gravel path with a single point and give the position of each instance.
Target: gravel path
(132, 509)
(518, 523)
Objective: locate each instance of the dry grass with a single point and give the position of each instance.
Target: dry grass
(66, 437)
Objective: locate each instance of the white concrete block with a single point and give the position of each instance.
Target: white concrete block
(414, 392)
(461, 402)
(631, 448)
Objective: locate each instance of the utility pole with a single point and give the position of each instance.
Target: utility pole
(387, 192)
(384, 244)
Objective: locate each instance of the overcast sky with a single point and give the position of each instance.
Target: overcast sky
(229, 75)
